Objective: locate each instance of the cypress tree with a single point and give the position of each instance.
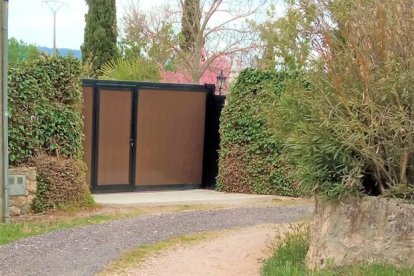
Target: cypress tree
(99, 44)
(190, 24)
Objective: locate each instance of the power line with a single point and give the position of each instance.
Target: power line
(54, 6)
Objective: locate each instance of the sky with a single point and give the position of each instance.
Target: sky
(32, 21)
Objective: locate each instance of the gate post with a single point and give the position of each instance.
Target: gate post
(214, 105)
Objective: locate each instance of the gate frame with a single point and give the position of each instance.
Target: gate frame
(214, 104)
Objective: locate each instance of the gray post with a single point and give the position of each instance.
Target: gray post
(2, 193)
(54, 33)
(4, 160)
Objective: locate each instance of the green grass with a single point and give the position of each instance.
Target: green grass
(289, 258)
(138, 255)
(70, 217)
(18, 230)
(290, 254)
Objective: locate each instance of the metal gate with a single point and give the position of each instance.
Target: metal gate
(142, 136)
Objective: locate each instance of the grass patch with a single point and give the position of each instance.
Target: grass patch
(289, 257)
(290, 254)
(141, 253)
(73, 216)
(22, 229)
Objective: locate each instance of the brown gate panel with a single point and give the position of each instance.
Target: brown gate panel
(114, 137)
(170, 137)
(87, 112)
(148, 135)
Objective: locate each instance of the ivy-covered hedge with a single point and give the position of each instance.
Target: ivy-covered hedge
(251, 158)
(45, 101)
(45, 129)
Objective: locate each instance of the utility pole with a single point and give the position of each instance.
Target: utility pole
(54, 6)
(4, 159)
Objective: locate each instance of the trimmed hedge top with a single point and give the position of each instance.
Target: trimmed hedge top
(251, 158)
(45, 104)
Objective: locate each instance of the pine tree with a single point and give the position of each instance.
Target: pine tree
(190, 24)
(99, 45)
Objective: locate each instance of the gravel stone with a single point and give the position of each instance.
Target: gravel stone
(87, 250)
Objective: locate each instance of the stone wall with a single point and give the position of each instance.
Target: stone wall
(362, 230)
(21, 204)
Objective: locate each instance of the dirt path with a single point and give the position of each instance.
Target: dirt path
(87, 250)
(236, 252)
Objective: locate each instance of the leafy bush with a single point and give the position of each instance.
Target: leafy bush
(61, 182)
(321, 162)
(251, 159)
(42, 201)
(135, 69)
(45, 129)
(353, 131)
(45, 103)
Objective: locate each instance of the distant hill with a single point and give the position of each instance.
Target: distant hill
(62, 51)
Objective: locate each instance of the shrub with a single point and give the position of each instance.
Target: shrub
(251, 158)
(135, 69)
(45, 101)
(353, 131)
(45, 129)
(322, 163)
(61, 182)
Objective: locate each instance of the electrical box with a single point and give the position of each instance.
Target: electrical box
(17, 185)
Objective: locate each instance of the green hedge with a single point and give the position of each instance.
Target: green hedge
(251, 158)
(45, 129)
(45, 101)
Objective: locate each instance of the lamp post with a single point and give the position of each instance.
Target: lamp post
(221, 81)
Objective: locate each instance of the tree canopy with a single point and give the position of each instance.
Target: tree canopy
(193, 33)
(100, 38)
(19, 51)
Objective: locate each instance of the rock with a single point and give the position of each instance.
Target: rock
(31, 174)
(25, 209)
(20, 205)
(18, 201)
(361, 230)
(30, 198)
(31, 186)
(14, 211)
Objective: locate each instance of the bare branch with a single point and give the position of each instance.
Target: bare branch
(222, 31)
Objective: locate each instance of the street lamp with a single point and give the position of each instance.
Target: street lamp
(221, 81)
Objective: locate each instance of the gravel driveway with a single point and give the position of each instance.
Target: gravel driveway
(87, 250)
